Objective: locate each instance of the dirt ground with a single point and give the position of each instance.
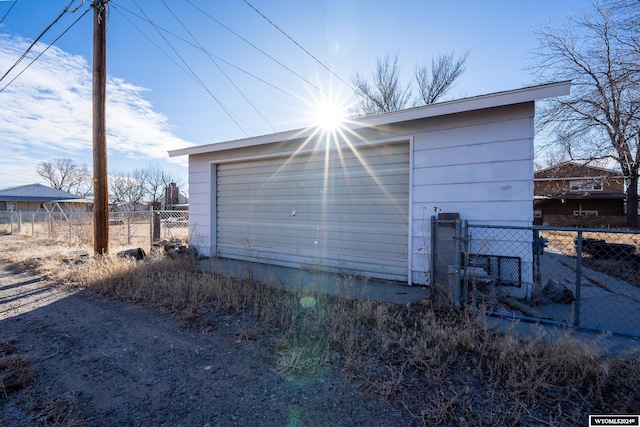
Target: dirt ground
(104, 362)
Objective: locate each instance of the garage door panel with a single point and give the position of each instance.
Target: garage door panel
(316, 179)
(341, 167)
(302, 212)
(377, 267)
(308, 236)
(327, 211)
(394, 153)
(339, 194)
(276, 221)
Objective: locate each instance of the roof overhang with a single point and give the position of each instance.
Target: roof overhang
(498, 99)
(40, 199)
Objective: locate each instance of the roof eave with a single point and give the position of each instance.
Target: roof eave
(517, 96)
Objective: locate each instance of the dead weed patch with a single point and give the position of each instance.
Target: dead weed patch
(16, 370)
(441, 366)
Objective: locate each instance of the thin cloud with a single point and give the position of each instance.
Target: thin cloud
(46, 113)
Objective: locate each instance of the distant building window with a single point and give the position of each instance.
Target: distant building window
(11, 206)
(583, 185)
(3, 206)
(585, 213)
(537, 213)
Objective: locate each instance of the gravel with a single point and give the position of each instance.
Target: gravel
(105, 362)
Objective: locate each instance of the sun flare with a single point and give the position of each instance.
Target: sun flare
(329, 115)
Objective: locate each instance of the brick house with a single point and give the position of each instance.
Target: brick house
(571, 194)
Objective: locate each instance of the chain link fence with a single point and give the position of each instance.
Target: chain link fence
(126, 229)
(576, 277)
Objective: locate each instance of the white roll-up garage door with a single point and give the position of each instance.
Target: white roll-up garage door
(341, 210)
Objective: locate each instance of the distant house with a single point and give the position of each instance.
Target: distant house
(174, 198)
(34, 197)
(360, 200)
(571, 194)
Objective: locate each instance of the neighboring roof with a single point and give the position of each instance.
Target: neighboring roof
(75, 201)
(573, 170)
(527, 94)
(34, 193)
(581, 196)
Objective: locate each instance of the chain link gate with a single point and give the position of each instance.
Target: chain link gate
(447, 266)
(572, 277)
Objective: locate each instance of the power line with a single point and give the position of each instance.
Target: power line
(120, 8)
(256, 47)
(117, 8)
(189, 72)
(45, 49)
(10, 7)
(224, 108)
(219, 68)
(300, 46)
(65, 10)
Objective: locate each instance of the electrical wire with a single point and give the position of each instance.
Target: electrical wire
(224, 108)
(7, 12)
(65, 10)
(219, 68)
(45, 49)
(300, 46)
(119, 8)
(256, 47)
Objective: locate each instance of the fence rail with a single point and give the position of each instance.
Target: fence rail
(582, 278)
(126, 229)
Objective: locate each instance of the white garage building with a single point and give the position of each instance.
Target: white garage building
(360, 201)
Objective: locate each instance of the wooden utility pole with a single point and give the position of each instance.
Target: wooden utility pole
(100, 181)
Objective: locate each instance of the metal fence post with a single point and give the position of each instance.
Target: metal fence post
(434, 252)
(464, 257)
(11, 218)
(19, 222)
(457, 289)
(578, 277)
(33, 224)
(151, 212)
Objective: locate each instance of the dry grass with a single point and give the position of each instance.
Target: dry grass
(16, 370)
(57, 411)
(443, 367)
(564, 240)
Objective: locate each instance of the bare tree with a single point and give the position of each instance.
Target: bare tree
(386, 93)
(156, 180)
(552, 158)
(445, 70)
(126, 190)
(66, 175)
(133, 190)
(599, 121)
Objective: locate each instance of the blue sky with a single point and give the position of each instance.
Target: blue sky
(197, 82)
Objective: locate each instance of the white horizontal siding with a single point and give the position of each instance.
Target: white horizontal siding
(200, 204)
(477, 153)
(465, 133)
(469, 172)
(480, 167)
(472, 192)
